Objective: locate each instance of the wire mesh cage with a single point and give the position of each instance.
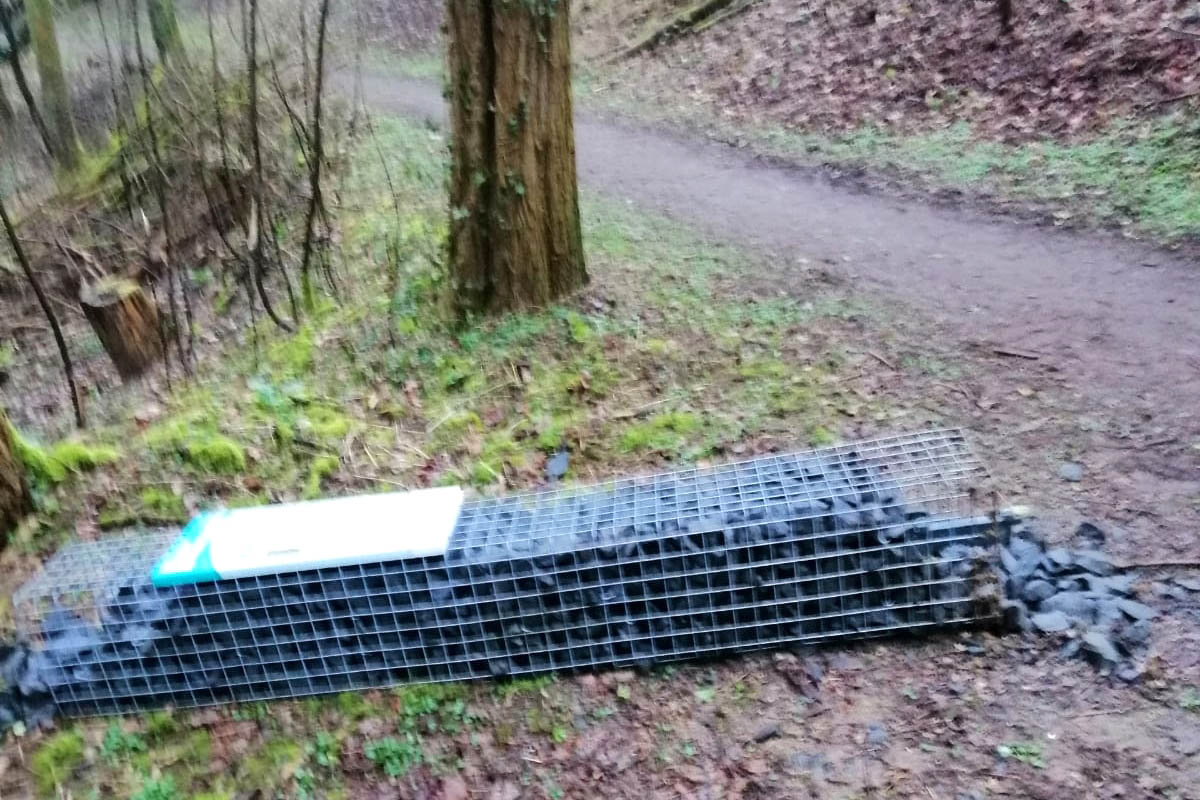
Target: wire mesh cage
(849, 541)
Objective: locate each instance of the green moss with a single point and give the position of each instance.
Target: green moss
(325, 423)
(455, 372)
(56, 761)
(549, 721)
(161, 725)
(269, 769)
(119, 516)
(579, 330)
(162, 504)
(662, 432)
(659, 347)
(353, 706)
(426, 698)
(820, 436)
(171, 435)
(790, 399)
(499, 449)
(199, 446)
(216, 455)
(52, 466)
(292, 356)
(765, 368)
(553, 434)
(189, 755)
(247, 500)
(450, 433)
(193, 438)
(320, 469)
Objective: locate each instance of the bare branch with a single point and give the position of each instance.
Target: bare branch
(63, 353)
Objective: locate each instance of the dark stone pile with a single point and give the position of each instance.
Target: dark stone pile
(24, 697)
(777, 551)
(1077, 594)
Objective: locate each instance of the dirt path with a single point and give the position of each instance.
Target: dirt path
(1116, 314)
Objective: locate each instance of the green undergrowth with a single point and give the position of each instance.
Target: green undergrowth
(56, 761)
(681, 350)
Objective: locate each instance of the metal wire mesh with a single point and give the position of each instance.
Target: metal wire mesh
(854, 540)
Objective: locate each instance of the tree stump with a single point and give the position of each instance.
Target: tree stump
(126, 322)
(14, 492)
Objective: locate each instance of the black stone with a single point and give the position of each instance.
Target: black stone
(1036, 591)
(1093, 561)
(1135, 634)
(1016, 615)
(1050, 622)
(1089, 536)
(1074, 604)
(1137, 611)
(1100, 647)
(1021, 557)
(1058, 560)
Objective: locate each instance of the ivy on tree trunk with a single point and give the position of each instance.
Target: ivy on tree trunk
(515, 238)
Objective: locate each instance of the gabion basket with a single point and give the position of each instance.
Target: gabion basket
(848, 541)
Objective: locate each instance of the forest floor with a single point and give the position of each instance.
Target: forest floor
(737, 307)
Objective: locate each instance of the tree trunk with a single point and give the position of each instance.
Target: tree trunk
(56, 97)
(1005, 10)
(14, 492)
(515, 239)
(6, 109)
(164, 27)
(126, 323)
(13, 37)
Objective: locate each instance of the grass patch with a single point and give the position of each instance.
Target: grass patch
(270, 769)
(56, 761)
(662, 433)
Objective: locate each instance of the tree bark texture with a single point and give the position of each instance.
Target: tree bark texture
(515, 238)
(56, 96)
(126, 322)
(14, 492)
